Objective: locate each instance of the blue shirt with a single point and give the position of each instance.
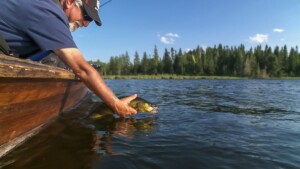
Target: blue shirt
(31, 26)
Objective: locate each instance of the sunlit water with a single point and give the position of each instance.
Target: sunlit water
(200, 124)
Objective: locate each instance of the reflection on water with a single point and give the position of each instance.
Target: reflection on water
(118, 127)
(201, 124)
(76, 141)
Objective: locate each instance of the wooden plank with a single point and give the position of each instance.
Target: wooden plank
(33, 95)
(7, 147)
(14, 91)
(17, 68)
(76, 92)
(17, 119)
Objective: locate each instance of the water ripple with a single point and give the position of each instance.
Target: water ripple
(201, 124)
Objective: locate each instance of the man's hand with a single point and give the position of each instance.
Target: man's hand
(122, 108)
(93, 80)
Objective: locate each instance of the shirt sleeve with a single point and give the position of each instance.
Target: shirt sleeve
(51, 34)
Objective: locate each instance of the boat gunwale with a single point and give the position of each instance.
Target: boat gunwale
(11, 67)
(14, 70)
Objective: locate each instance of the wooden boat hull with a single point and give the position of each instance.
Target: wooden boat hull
(31, 96)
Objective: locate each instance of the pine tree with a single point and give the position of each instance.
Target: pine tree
(219, 60)
(167, 63)
(136, 63)
(155, 60)
(199, 65)
(126, 64)
(145, 64)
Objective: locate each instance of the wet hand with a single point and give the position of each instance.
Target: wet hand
(122, 108)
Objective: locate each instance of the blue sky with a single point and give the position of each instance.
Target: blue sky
(138, 25)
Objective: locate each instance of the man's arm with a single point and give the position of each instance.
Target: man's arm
(93, 80)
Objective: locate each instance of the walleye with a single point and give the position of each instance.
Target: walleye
(143, 106)
(139, 104)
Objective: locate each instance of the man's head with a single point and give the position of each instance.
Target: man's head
(81, 12)
(91, 8)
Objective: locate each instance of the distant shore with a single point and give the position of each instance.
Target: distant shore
(191, 77)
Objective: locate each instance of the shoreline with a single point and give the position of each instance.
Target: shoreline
(180, 77)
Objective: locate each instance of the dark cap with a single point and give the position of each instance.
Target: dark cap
(91, 7)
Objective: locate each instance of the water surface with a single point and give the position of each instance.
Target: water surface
(200, 124)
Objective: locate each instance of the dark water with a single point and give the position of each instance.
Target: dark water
(200, 124)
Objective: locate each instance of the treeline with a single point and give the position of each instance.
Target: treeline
(257, 62)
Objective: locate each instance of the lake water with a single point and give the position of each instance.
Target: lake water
(206, 124)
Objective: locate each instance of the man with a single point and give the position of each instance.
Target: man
(43, 26)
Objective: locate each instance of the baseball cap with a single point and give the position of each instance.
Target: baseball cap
(92, 7)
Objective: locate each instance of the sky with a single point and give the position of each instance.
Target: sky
(139, 25)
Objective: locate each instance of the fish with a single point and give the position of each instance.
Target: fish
(143, 106)
(139, 104)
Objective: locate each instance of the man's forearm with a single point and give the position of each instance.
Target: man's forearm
(96, 83)
(93, 80)
(87, 74)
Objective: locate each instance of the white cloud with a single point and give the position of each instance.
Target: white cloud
(259, 38)
(278, 30)
(168, 38)
(174, 35)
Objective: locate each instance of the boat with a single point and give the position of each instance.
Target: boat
(32, 95)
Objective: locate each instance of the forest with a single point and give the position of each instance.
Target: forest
(256, 62)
